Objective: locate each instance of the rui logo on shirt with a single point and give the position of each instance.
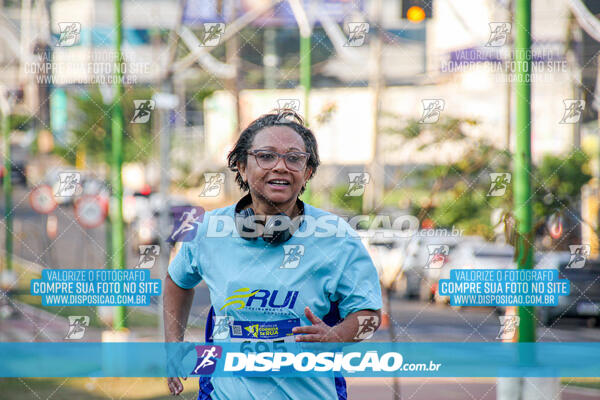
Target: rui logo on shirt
(261, 299)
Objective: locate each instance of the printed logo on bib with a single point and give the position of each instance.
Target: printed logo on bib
(263, 330)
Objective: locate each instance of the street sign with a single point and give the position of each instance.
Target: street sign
(90, 211)
(42, 199)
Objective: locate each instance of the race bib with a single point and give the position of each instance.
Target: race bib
(263, 331)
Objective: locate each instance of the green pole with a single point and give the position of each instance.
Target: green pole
(7, 186)
(117, 164)
(108, 161)
(522, 157)
(305, 83)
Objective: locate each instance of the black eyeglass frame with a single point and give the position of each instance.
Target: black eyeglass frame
(279, 155)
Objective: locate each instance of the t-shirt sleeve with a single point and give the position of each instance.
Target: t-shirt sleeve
(358, 286)
(184, 269)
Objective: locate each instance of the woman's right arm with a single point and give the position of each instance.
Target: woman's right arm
(177, 304)
(176, 309)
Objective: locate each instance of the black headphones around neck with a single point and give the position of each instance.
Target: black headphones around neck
(278, 228)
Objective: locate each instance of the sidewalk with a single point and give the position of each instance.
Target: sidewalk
(31, 324)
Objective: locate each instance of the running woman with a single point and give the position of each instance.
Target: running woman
(286, 280)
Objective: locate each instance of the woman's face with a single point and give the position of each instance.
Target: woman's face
(281, 139)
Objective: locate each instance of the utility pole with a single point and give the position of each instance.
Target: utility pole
(305, 79)
(519, 387)
(168, 87)
(232, 48)
(522, 157)
(107, 99)
(165, 183)
(116, 206)
(524, 387)
(374, 189)
(6, 183)
(8, 279)
(232, 57)
(270, 58)
(578, 82)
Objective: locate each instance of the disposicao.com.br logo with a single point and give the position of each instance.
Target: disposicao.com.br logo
(328, 225)
(370, 361)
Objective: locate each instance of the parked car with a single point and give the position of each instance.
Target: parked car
(145, 222)
(422, 281)
(583, 300)
(388, 251)
(401, 261)
(475, 255)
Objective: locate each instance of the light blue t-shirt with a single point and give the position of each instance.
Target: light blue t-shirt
(262, 289)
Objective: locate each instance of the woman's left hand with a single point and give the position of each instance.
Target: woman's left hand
(319, 331)
(345, 331)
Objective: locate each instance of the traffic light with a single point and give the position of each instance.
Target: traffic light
(416, 10)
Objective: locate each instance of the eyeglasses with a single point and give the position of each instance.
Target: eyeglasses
(267, 159)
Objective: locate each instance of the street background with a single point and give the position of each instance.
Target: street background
(421, 108)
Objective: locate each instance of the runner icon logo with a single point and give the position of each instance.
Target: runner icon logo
(207, 359)
(77, 325)
(508, 327)
(367, 325)
(212, 33)
(500, 181)
(357, 33)
(432, 108)
(70, 33)
(573, 110)
(358, 182)
(222, 324)
(292, 255)
(142, 112)
(499, 34)
(288, 104)
(148, 255)
(579, 254)
(213, 182)
(185, 226)
(438, 253)
(69, 184)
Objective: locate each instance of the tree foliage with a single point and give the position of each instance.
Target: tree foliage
(459, 190)
(93, 127)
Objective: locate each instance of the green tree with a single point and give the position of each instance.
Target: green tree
(558, 182)
(458, 191)
(92, 122)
